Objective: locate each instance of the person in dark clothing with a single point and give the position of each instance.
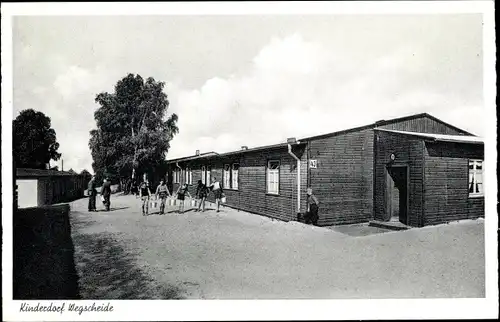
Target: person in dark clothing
(134, 189)
(216, 187)
(311, 215)
(201, 194)
(106, 193)
(145, 194)
(181, 195)
(92, 192)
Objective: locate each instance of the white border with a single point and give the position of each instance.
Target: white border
(276, 309)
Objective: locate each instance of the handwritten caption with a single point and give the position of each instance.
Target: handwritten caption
(71, 307)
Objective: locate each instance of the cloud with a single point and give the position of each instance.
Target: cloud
(251, 85)
(74, 80)
(297, 87)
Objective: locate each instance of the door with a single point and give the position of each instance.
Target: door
(397, 194)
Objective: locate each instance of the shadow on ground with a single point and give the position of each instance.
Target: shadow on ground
(107, 270)
(43, 266)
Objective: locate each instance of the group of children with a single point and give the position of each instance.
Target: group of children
(202, 191)
(162, 193)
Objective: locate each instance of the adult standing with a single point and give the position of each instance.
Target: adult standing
(217, 190)
(106, 193)
(92, 192)
(312, 208)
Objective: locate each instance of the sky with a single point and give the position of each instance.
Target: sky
(251, 80)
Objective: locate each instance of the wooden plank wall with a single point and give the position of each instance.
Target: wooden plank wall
(446, 188)
(56, 189)
(251, 195)
(343, 180)
(423, 125)
(407, 151)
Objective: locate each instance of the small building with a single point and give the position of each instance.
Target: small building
(38, 187)
(416, 170)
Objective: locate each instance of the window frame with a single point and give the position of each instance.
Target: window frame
(233, 187)
(176, 175)
(274, 171)
(475, 171)
(226, 176)
(189, 175)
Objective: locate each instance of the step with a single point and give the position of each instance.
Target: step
(393, 225)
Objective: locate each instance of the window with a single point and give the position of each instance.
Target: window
(476, 178)
(176, 179)
(189, 176)
(203, 174)
(273, 177)
(234, 179)
(227, 176)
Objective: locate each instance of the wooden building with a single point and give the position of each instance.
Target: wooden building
(417, 170)
(36, 187)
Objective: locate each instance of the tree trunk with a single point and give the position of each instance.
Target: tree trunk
(135, 152)
(136, 146)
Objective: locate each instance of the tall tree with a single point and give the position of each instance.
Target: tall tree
(133, 131)
(34, 141)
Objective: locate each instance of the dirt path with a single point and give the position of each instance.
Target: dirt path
(236, 255)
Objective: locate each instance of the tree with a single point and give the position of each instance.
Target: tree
(133, 131)
(34, 141)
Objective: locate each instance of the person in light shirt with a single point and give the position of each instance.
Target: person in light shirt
(217, 190)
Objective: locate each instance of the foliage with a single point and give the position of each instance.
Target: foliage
(133, 131)
(34, 141)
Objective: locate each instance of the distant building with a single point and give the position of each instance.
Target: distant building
(415, 170)
(37, 187)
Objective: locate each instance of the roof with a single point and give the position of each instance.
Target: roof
(384, 122)
(85, 172)
(194, 157)
(213, 154)
(439, 137)
(321, 136)
(27, 172)
(266, 147)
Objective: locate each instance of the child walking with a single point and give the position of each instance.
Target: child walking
(162, 192)
(201, 194)
(217, 190)
(145, 194)
(181, 195)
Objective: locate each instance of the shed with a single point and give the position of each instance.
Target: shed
(37, 187)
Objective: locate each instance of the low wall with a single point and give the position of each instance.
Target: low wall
(43, 266)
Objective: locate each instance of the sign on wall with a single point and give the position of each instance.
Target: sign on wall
(313, 164)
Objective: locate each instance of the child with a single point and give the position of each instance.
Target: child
(217, 190)
(181, 194)
(201, 194)
(145, 193)
(162, 192)
(311, 215)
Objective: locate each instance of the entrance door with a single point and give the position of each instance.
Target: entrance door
(397, 194)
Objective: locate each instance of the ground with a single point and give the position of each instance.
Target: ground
(236, 255)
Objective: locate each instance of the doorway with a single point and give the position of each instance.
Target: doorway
(397, 194)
